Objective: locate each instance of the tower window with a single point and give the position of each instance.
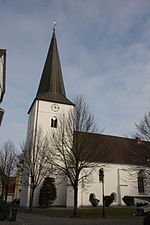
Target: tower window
(54, 122)
(141, 177)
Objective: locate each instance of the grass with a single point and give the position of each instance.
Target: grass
(88, 213)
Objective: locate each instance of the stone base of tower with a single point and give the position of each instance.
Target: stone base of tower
(61, 188)
(25, 196)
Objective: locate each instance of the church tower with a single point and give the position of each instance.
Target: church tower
(48, 108)
(50, 102)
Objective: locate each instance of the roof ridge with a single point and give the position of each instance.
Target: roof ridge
(109, 135)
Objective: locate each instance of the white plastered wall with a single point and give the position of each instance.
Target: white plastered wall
(118, 179)
(25, 191)
(40, 118)
(45, 113)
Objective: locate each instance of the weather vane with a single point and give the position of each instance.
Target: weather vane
(54, 22)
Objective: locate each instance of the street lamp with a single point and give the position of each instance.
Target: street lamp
(101, 179)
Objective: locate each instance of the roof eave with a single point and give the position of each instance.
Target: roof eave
(48, 101)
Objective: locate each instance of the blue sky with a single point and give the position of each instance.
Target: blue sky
(104, 46)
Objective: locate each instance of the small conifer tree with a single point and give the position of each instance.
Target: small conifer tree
(48, 193)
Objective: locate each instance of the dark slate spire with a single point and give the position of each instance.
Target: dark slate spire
(51, 87)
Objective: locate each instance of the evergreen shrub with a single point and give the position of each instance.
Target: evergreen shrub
(108, 199)
(48, 193)
(128, 200)
(93, 200)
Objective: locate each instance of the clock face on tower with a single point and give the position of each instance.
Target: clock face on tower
(55, 107)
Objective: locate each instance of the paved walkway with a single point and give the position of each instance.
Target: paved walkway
(36, 219)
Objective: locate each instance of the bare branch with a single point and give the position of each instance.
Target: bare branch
(37, 161)
(8, 162)
(71, 149)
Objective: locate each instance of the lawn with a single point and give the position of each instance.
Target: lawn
(111, 212)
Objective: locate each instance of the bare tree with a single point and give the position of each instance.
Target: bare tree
(8, 160)
(36, 162)
(73, 156)
(140, 145)
(142, 137)
(143, 128)
(140, 153)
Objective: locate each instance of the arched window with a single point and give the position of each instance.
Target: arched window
(54, 122)
(141, 177)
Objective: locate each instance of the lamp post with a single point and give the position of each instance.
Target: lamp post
(101, 179)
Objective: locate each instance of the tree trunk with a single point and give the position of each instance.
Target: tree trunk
(75, 200)
(6, 191)
(2, 193)
(31, 200)
(3, 182)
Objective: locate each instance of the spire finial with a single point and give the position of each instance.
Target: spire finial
(54, 22)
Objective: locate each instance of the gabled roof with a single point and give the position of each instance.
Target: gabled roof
(51, 87)
(112, 149)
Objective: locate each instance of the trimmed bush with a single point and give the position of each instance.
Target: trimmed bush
(128, 200)
(141, 204)
(93, 200)
(108, 199)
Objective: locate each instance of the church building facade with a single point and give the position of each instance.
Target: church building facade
(48, 107)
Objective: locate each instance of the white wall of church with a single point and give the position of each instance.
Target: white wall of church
(118, 179)
(45, 113)
(61, 187)
(25, 196)
(40, 118)
(41, 113)
(25, 192)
